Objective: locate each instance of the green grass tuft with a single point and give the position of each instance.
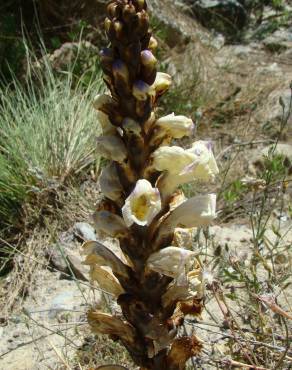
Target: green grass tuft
(47, 136)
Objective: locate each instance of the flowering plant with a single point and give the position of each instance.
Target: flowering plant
(155, 283)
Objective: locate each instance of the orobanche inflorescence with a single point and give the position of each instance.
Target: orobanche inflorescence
(155, 283)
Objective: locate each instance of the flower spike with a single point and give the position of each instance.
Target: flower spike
(155, 283)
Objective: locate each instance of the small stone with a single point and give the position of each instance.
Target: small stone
(224, 16)
(84, 231)
(279, 41)
(281, 259)
(56, 258)
(80, 271)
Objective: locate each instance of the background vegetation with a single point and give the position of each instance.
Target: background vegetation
(49, 73)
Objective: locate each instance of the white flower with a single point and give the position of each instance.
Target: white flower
(161, 84)
(171, 261)
(142, 205)
(195, 212)
(176, 126)
(184, 165)
(172, 159)
(196, 163)
(204, 166)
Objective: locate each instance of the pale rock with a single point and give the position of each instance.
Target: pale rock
(84, 231)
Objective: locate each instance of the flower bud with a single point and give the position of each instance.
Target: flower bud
(148, 59)
(106, 54)
(110, 184)
(131, 54)
(120, 71)
(129, 125)
(143, 23)
(145, 40)
(176, 126)
(150, 122)
(101, 101)
(112, 147)
(141, 90)
(113, 10)
(161, 85)
(129, 13)
(148, 68)
(106, 59)
(118, 27)
(107, 25)
(171, 261)
(105, 123)
(153, 44)
(142, 205)
(140, 4)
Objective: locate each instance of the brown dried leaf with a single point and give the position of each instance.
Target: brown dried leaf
(97, 254)
(106, 280)
(192, 287)
(181, 351)
(110, 224)
(103, 323)
(110, 184)
(191, 306)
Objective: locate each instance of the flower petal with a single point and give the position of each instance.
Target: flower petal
(195, 212)
(103, 323)
(172, 159)
(142, 205)
(171, 261)
(193, 288)
(184, 165)
(176, 126)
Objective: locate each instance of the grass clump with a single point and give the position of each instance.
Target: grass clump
(47, 137)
